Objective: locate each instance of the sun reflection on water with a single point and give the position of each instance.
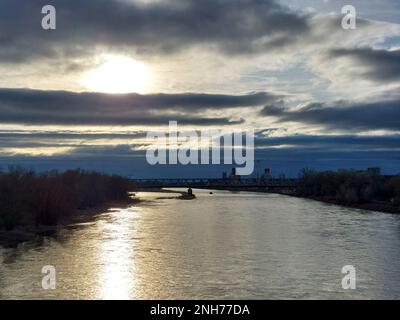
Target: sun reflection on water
(118, 270)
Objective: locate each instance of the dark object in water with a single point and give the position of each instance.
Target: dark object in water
(211, 192)
(187, 196)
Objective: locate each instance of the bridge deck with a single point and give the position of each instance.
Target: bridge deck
(215, 183)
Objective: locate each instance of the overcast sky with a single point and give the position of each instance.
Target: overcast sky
(84, 94)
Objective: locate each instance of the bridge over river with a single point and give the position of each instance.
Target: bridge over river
(273, 185)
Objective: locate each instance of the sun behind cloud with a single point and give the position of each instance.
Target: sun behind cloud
(118, 74)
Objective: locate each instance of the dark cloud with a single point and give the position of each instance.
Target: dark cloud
(19, 135)
(232, 26)
(381, 65)
(330, 142)
(135, 140)
(70, 108)
(384, 115)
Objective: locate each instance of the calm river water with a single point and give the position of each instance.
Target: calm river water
(223, 246)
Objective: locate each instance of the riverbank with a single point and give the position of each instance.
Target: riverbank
(365, 189)
(382, 207)
(371, 206)
(29, 232)
(29, 198)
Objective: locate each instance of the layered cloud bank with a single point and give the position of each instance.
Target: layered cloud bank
(21, 106)
(311, 90)
(233, 27)
(366, 116)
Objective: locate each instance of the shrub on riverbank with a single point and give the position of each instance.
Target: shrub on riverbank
(43, 199)
(349, 187)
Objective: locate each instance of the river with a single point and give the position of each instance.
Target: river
(223, 245)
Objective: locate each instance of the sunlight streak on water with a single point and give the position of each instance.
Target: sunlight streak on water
(117, 275)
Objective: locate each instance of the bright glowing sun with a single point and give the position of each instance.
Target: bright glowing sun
(118, 74)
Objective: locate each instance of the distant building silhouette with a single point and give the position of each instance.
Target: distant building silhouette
(266, 175)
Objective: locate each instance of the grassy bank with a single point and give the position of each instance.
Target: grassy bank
(31, 199)
(350, 188)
